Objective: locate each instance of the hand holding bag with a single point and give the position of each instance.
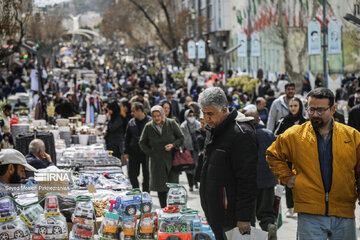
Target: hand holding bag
(183, 161)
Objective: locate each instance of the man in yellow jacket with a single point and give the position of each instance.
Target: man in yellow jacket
(326, 170)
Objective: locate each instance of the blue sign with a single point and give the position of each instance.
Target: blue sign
(314, 35)
(201, 49)
(334, 36)
(255, 44)
(241, 51)
(191, 49)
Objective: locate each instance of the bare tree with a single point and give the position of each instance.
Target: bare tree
(13, 16)
(44, 31)
(136, 18)
(283, 32)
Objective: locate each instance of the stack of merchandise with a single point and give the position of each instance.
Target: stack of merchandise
(83, 219)
(51, 224)
(178, 221)
(131, 213)
(11, 226)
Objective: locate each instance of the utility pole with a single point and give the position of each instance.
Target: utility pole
(324, 42)
(249, 38)
(226, 55)
(196, 33)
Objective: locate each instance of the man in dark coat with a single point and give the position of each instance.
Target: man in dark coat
(266, 181)
(133, 153)
(37, 156)
(354, 116)
(65, 108)
(228, 186)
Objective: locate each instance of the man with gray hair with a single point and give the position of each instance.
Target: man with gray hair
(37, 156)
(228, 187)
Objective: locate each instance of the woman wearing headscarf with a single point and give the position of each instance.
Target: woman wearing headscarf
(114, 137)
(189, 128)
(167, 109)
(159, 139)
(295, 117)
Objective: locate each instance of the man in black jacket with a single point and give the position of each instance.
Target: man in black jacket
(228, 186)
(354, 114)
(37, 156)
(133, 153)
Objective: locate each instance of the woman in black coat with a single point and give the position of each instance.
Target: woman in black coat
(114, 137)
(295, 117)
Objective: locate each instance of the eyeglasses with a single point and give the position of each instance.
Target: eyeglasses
(319, 111)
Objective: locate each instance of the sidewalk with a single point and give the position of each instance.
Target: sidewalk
(286, 232)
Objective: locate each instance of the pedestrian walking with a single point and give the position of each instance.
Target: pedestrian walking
(132, 152)
(280, 107)
(266, 181)
(354, 114)
(294, 117)
(326, 179)
(189, 128)
(159, 139)
(228, 182)
(114, 137)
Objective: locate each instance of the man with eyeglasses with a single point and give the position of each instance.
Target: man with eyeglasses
(326, 170)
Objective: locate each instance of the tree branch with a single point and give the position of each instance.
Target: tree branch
(170, 29)
(142, 9)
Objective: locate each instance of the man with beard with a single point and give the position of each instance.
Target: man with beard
(280, 107)
(326, 170)
(12, 169)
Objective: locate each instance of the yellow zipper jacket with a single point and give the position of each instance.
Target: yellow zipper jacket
(299, 145)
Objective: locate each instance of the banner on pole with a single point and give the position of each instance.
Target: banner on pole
(191, 49)
(314, 36)
(334, 36)
(241, 51)
(201, 49)
(255, 44)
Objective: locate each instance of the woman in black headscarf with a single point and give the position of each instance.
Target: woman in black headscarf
(295, 117)
(114, 137)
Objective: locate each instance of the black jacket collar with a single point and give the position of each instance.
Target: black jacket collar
(218, 129)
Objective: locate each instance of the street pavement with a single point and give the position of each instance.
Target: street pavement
(286, 232)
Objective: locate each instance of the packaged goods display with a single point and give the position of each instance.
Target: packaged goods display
(14, 229)
(83, 219)
(87, 156)
(7, 210)
(126, 215)
(51, 224)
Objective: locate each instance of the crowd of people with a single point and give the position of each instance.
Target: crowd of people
(242, 145)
